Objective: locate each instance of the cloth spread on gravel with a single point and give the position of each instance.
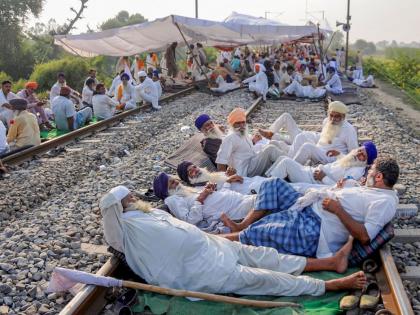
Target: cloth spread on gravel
(327, 304)
(54, 133)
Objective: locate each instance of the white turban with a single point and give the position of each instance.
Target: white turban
(111, 210)
(338, 107)
(120, 192)
(142, 74)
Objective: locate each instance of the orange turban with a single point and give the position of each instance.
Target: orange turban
(257, 68)
(237, 115)
(31, 85)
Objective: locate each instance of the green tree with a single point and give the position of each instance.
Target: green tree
(15, 57)
(123, 18)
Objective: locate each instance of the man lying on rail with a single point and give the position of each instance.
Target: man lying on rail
(353, 165)
(193, 175)
(202, 206)
(317, 225)
(337, 136)
(237, 149)
(171, 253)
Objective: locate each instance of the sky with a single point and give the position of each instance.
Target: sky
(372, 20)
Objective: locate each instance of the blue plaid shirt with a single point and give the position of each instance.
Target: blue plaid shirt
(290, 232)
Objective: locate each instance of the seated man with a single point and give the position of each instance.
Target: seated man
(201, 207)
(6, 94)
(174, 254)
(115, 84)
(103, 105)
(65, 115)
(125, 96)
(337, 136)
(87, 92)
(147, 90)
(35, 106)
(213, 135)
(333, 83)
(308, 91)
(158, 84)
(56, 88)
(286, 79)
(367, 83)
(353, 165)
(259, 82)
(324, 221)
(193, 175)
(4, 146)
(92, 75)
(24, 129)
(238, 152)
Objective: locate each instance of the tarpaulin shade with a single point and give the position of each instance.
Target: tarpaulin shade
(157, 34)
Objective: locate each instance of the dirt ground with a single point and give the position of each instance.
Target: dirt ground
(396, 100)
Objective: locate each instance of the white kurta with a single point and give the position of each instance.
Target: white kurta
(258, 83)
(190, 259)
(148, 92)
(234, 204)
(373, 207)
(4, 147)
(223, 86)
(115, 83)
(103, 106)
(87, 95)
(128, 96)
(237, 152)
(6, 115)
(334, 84)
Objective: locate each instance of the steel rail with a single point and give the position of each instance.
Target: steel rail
(29, 153)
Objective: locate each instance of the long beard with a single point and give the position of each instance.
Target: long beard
(182, 191)
(329, 132)
(351, 160)
(206, 176)
(140, 206)
(215, 133)
(241, 133)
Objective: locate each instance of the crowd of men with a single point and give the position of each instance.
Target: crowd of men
(282, 201)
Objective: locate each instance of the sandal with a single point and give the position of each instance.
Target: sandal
(371, 296)
(369, 266)
(350, 302)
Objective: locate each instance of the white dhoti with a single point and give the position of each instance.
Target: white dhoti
(150, 98)
(263, 271)
(297, 173)
(131, 104)
(310, 151)
(333, 90)
(260, 163)
(304, 91)
(288, 124)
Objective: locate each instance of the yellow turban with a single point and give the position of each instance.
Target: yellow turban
(338, 107)
(237, 115)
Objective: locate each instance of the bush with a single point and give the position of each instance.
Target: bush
(4, 76)
(75, 69)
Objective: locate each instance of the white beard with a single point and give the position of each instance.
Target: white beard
(216, 133)
(329, 132)
(240, 133)
(139, 205)
(205, 176)
(182, 191)
(351, 160)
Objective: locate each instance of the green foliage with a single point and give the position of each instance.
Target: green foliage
(123, 18)
(4, 76)
(211, 54)
(75, 69)
(402, 69)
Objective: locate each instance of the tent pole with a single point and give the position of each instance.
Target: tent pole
(70, 48)
(195, 57)
(321, 53)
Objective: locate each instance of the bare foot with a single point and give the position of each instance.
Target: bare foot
(356, 280)
(342, 256)
(234, 227)
(266, 133)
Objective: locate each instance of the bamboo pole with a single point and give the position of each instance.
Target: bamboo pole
(207, 296)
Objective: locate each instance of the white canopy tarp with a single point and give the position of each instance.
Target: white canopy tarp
(240, 18)
(157, 34)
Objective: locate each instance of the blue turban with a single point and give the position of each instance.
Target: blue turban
(160, 186)
(125, 75)
(156, 73)
(201, 120)
(371, 151)
(182, 171)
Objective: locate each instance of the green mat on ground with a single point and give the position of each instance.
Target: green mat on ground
(54, 133)
(328, 304)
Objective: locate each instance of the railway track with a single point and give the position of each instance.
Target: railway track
(91, 299)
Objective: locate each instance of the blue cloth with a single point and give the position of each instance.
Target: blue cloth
(289, 232)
